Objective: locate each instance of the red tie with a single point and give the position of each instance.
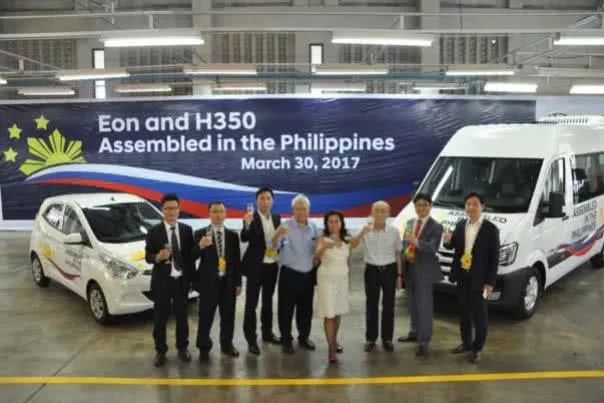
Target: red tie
(418, 227)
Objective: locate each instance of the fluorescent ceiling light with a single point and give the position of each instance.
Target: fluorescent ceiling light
(176, 40)
(2, 81)
(480, 72)
(569, 72)
(587, 89)
(45, 91)
(222, 69)
(510, 87)
(350, 70)
(318, 88)
(240, 87)
(94, 74)
(382, 37)
(580, 41)
(138, 88)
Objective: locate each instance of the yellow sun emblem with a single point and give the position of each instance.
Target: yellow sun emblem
(55, 152)
(466, 261)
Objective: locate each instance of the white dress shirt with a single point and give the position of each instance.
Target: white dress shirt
(269, 231)
(380, 247)
(173, 273)
(471, 234)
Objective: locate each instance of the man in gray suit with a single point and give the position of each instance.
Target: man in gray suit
(422, 270)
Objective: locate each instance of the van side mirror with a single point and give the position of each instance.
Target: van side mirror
(555, 207)
(74, 239)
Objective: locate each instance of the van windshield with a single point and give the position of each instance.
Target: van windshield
(506, 184)
(123, 222)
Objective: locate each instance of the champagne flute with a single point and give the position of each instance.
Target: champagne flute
(209, 234)
(370, 222)
(250, 208)
(169, 249)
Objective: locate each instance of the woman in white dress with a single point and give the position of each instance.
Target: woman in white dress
(333, 250)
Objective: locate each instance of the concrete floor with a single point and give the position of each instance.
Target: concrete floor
(49, 332)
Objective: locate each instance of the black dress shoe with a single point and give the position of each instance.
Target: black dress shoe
(231, 351)
(204, 355)
(388, 346)
(422, 351)
(410, 338)
(307, 344)
(288, 349)
(475, 357)
(460, 349)
(184, 355)
(272, 339)
(159, 360)
(253, 348)
(369, 346)
(339, 349)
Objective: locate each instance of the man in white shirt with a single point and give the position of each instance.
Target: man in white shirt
(383, 272)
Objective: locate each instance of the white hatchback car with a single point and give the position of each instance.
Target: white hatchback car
(94, 244)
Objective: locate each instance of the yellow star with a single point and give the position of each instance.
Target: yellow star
(14, 132)
(41, 122)
(10, 155)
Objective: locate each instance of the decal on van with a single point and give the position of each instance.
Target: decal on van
(578, 248)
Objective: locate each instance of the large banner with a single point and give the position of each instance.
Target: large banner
(342, 153)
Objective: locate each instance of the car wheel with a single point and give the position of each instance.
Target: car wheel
(597, 262)
(98, 304)
(38, 272)
(529, 295)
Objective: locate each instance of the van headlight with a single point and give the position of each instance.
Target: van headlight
(507, 254)
(118, 269)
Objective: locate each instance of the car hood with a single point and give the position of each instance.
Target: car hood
(129, 252)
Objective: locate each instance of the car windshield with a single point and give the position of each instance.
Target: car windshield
(124, 222)
(507, 184)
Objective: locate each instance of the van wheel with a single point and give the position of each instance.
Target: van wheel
(530, 294)
(38, 272)
(597, 262)
(98, 304)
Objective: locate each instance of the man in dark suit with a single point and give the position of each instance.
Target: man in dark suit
(261, 269)
(218, 280)
(475, 241)
(170, 248)
(421, 242)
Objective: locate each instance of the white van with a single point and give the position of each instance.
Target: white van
(543, 186)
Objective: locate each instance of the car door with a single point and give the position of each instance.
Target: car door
(70, 256)
(551, 235)
(50, 225)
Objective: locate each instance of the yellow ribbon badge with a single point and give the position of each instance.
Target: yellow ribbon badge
(466, 261)
(221, 264)
(270, 252)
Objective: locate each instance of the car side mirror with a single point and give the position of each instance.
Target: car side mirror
(74, 239)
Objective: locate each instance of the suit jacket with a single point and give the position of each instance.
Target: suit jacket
(485, 254)
(207, 270)
(254, 235)
(426, 266)
(157, 237)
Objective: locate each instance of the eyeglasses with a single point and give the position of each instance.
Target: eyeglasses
(170, 208)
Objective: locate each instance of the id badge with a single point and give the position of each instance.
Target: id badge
(221, 264)
(270, 252)
(466, 261)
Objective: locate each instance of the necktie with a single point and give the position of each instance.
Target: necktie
(176, 258)
(219, 244)
(418, 227)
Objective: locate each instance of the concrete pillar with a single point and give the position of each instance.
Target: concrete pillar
(430, 55)
(201, 21)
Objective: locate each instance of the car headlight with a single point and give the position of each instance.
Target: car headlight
(118, 269)
(507, 254)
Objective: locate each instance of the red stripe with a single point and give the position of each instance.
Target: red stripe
(201, 209)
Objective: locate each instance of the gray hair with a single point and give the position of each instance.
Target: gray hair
(300, 198)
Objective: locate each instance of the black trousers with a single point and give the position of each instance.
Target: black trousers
(380, 279)
(263, 277)
(220, 294)
(473, 315)
(296, 292)
(171, 297)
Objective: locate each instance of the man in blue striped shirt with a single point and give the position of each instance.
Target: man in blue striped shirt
(296, 240)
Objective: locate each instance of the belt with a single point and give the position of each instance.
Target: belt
(380, 268)
(298, 272)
